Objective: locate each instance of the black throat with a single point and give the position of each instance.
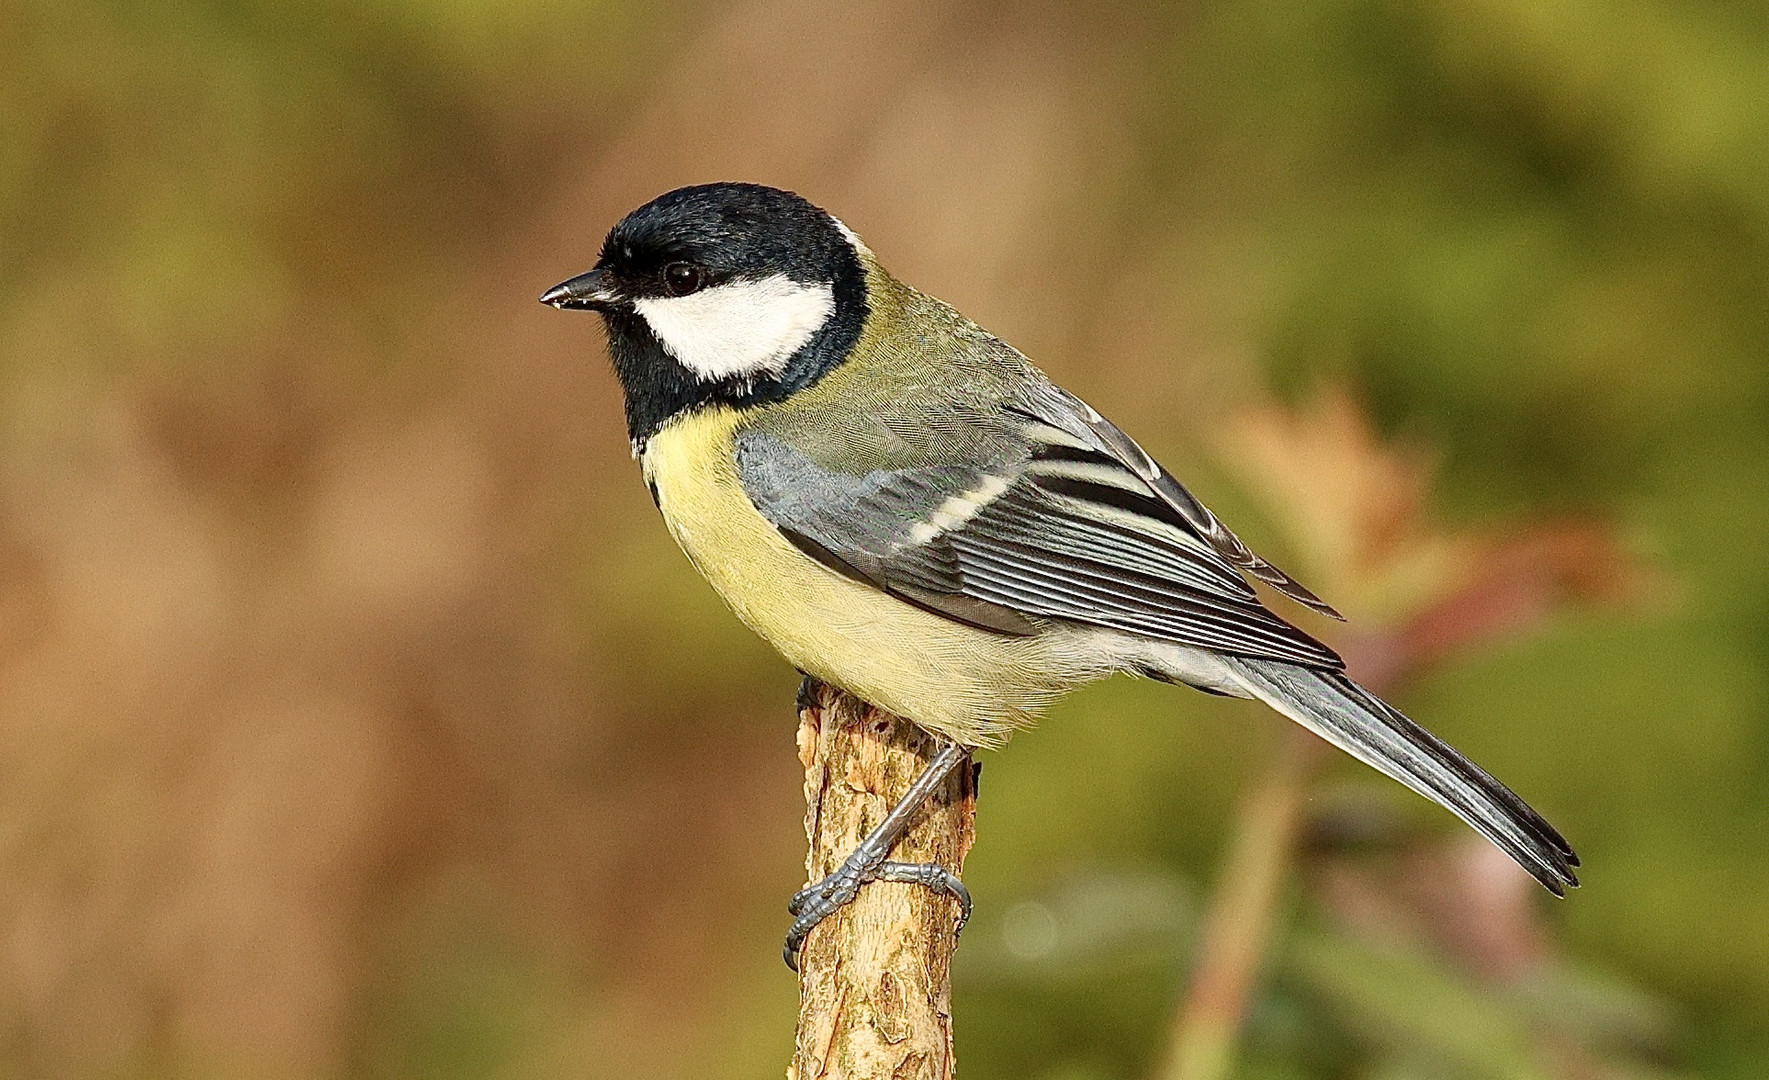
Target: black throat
(658, 388)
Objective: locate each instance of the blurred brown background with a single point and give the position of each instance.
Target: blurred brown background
(358, 719)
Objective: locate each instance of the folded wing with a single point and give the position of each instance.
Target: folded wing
(1055, 525)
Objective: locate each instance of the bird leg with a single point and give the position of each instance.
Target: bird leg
(869, 861)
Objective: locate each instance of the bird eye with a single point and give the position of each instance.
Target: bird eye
(680, 278)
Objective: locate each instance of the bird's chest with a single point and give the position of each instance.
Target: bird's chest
(771, 584)
(967, 684)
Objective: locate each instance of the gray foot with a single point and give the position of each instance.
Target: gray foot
(870, 861)
(817, 902)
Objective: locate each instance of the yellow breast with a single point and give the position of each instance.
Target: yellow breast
(966, 684)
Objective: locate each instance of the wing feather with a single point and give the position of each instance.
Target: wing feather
(1056, 407)
(1057, 530)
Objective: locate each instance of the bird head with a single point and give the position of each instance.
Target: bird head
(724, 293)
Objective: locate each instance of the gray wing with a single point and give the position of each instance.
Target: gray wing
(1063, 410)
(1051, 523)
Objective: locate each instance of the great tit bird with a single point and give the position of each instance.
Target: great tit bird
(906, 508)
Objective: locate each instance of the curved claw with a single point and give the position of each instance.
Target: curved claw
(935, 877)
(795, 940)
(814, 903)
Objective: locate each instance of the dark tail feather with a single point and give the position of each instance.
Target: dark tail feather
(1369, 729)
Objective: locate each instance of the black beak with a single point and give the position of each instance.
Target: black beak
(585, 292)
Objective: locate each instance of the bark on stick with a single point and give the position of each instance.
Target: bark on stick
(875, 990)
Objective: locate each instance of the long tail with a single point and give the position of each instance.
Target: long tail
(1369, 729)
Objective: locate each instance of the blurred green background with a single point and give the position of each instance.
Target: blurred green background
(358, 718)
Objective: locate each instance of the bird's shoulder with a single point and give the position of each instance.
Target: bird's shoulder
(923, 386)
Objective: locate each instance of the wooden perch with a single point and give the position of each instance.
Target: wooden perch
(875, 990)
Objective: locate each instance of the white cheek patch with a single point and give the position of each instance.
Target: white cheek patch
(740, 327)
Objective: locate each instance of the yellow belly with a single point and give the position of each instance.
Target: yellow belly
(969, 685)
